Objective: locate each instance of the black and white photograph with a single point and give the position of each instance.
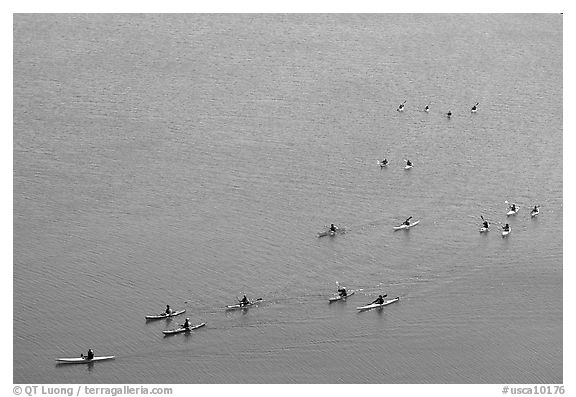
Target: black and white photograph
(288, 198)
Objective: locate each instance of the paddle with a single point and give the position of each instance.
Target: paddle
(249, 302)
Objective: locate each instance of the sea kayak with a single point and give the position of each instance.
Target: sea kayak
(403, 226)
(378, 305)
(83, 360)
(341, 298)
(407, 167)
(246, 306)
(182, 329)
(164, 315)
(331, 232)
(513, 212)
(506, 232)
(484, 229)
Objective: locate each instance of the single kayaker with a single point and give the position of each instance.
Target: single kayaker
(168, 310)
(506, 227)
(342, 291)
(186, 323)
(485, 224)
(407, 222)
(408, 163)
(401, 107)
(379, 300)
(474, 108)
(384, 162)
(449, 114)
(513, 207)
(244, 301)
(333, 228)
(535, 209)
(88, 356)
(427, 108)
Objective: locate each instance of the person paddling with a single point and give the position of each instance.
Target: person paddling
(408, 163)
(407, 222)
(384, 162)
(244, 301)
(506, 227)
(535, 209)
(485, 224)
(168, 310)
(401, 107)
(513, 207)
(342, 291)
(475, 108)
(427, 108)
(333, 228)
(379, 300)
(186, 323)
(449, 114)
(89, 356)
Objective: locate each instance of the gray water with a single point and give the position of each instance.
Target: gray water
(189, 159)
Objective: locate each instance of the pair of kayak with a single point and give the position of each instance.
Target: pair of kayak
(378, 305)
(404, 226)
(340, 297)
(165, 315)
(83, 360)
(183, 329)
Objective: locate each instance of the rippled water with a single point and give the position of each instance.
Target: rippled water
(188, 159)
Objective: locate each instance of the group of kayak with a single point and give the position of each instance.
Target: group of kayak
(379, 302)
(168, 313)
(512, 210)
(332, 230)
(401, 107)
(385, 162)
(485, 227)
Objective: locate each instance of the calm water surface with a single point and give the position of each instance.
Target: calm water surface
(189, 159)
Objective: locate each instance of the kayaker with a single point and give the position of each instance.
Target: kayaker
(427, 108)
(401, 107)
(379, 300)
(474, 108)
(506, 227)
(89, 356)
(449, 114)
(244, 301)
(168, 310)
(535, 209)
(186, 323)
(333, 228)
(407, 222)
(384, 162)
(342, 291)
(408, 163)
